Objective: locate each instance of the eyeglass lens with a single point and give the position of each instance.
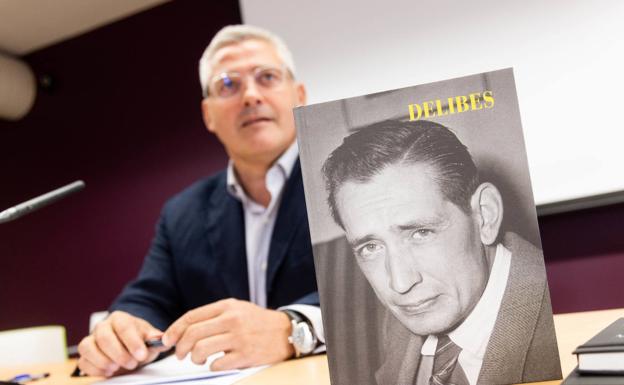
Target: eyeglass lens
(230, 83)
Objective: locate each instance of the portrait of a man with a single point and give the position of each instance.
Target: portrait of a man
(465, 301)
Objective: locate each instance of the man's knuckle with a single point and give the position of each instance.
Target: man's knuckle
(125, 359)
(101, 326)
(121, 319)
(189, 318)
(84, 366)
(244, 362)
(124, 328)
(115, 317)
(202, 347)
(230, 303)
(242, 342)
(193, 332)
(197, 360)
(198, 357)
(184, 345)
(98, 332)
(236, 319)
(83, 348)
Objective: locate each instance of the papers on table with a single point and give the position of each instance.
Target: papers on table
(185, 372)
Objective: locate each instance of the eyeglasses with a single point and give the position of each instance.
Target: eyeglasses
(229, 84)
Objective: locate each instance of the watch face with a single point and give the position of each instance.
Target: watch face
(303, 340)
(298, 335)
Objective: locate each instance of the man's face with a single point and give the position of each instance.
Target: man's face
(421, 253)
(257, 123)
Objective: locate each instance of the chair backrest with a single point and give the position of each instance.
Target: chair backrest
(36, 345)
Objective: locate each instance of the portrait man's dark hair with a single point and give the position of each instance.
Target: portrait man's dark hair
(369, 150)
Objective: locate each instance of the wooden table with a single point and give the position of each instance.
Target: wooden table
(306, 371)
(572, 329)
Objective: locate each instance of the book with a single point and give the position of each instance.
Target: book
(603, 353)
(577, 378)
(424, 230)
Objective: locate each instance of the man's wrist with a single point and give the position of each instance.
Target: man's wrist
(302, 337)
(286, 325)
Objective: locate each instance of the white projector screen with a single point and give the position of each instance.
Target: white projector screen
(567, 55)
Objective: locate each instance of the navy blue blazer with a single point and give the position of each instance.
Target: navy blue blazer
(198, 254)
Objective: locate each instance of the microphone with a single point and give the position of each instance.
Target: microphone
(40, 201)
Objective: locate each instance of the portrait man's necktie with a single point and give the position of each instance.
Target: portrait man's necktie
(446, 370)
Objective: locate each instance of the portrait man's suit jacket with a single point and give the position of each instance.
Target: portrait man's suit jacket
(198, 254)
(522, 347)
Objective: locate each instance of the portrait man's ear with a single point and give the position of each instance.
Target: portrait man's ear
(487, 205)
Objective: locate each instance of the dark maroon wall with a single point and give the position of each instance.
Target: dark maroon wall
(584, 253)
(124, 116)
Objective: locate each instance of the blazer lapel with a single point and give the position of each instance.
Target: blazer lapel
(402, 354)
(511, 338)
(225, 231)
(290, 216)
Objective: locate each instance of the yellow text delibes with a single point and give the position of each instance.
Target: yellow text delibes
(454, 105)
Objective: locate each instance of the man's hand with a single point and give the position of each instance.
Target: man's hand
(248, 334)
(117, 342)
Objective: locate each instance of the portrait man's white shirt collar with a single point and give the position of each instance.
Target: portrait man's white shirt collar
(474, 333)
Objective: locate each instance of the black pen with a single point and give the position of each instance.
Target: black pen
(154, 343)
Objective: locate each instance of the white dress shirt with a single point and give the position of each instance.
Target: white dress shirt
(259, 224)
(473, 334)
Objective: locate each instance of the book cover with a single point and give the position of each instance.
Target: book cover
(603, 353)
(577, 378)
(425, 237)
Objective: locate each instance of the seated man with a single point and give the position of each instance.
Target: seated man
(465, 303)
(233, 247)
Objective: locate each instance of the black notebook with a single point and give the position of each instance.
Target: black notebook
(576, 378)
(603, 353)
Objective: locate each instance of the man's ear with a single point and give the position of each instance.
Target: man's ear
(302, 96)
(206, 114)
(487, 205)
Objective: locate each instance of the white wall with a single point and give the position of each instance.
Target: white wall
(567, 55)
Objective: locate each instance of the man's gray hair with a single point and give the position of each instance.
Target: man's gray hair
(233, 34)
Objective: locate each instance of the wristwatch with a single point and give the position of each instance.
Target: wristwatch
(302, 336)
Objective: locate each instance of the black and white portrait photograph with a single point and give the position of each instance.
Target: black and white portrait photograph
(426, 245)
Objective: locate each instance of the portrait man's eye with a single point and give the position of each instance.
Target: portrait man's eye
(370, 251)
(422, 234)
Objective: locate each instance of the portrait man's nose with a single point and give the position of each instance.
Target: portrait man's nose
(402, 273)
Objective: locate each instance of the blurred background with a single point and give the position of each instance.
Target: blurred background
(117, 105)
